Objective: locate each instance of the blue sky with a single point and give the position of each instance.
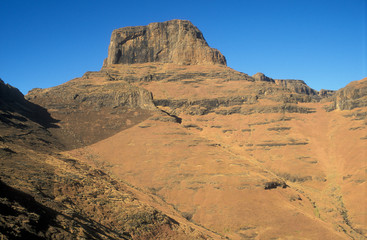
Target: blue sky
(323, 42)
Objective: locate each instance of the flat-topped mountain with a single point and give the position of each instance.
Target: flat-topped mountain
(176, 41)
(199, 143)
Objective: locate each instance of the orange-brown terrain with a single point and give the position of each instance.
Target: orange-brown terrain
(167, 142)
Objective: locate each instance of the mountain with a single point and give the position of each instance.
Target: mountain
(207, 151)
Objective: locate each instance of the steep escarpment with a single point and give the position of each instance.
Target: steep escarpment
(176, 41)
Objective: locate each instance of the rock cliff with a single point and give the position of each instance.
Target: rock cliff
(176, 41)
(297, 86)
(354, 95)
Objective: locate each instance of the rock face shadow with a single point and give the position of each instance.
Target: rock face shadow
(13, 101)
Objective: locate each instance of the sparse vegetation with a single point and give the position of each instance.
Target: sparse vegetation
(274, 184)
(279, 129)
(228, 130)
(295, 198)
(193, 126)
(294, 177)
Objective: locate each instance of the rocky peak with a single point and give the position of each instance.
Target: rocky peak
(261, 77)
(175, 41)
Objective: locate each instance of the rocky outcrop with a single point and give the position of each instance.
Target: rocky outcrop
(352, 96)
(261, 77)
(82, 104)
(326, 93)
(75, 94)
(297, 86)
(176, 41)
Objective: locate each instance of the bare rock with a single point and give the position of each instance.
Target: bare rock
(176, 41)
(261, 77)
(297, 86)
(74, 94)
(326, 93)
(352, 96)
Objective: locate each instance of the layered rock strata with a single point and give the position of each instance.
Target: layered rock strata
(176, 41)
(354, 95)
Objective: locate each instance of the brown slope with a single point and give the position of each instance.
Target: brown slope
(219, 189)
(220, 119)
(213, 166)
(48, 195)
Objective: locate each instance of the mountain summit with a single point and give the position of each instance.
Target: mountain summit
(175, 41)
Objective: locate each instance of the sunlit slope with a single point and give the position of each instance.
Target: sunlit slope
(238, 133)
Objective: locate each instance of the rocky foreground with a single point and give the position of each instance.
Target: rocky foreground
(167, 142)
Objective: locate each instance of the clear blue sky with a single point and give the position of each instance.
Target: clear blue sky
(323, 42)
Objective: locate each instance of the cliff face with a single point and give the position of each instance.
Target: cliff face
(176, 41)
(354, 95)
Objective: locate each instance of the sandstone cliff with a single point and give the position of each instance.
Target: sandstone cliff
(176, 41)
(297, 86)
(354, 95)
